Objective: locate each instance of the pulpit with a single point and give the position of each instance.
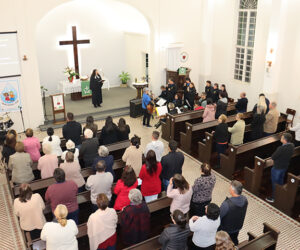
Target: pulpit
(139, 88)
(178, 76)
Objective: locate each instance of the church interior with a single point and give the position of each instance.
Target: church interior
(51, 53)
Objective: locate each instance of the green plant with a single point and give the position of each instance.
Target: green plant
(124, 77)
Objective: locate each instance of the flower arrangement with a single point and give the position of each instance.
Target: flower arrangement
(70, 73)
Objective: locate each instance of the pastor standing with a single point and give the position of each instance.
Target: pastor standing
(96, 88)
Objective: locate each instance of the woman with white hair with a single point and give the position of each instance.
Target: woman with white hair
(105, 156)
(60, 233)
(135, 219)
(263, 102)
(70, 145)
(89, 148)
(48, 162)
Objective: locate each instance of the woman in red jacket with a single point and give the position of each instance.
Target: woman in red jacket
(127, 182)
(149, 174)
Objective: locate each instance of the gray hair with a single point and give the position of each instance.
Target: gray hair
(88, 133)
(47, 148)
(70, 144)
(237, 187)
(274, 104)
(135, 196)
(145, 90)
(103, 151)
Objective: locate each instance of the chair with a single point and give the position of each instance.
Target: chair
(292, 113)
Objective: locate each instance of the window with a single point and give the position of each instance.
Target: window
(245, 40)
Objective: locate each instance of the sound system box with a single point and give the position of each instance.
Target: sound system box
(136, 108)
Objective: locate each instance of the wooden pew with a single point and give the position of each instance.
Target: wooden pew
(176, 123)
(196, 132)
(240, 156)
(286, 195)
(206, 148)
(154, 206)
(253, 176)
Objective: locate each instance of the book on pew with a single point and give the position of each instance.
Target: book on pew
(161, 102)
(161, 110)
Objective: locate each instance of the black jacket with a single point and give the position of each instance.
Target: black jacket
(208, 91)
(257, 126)
(7, 152)
(282, 156)
(124, 135)
(172, 90)
(166, 95)
(215, 95)
(267, 103)
(72, 131)
(221, 108)
(89, 151)
(109, 137)
(241, 105)
(221, 134)
(172, 164)
(189, 95)
(174, 238)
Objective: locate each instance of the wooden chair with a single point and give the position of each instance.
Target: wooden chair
(292, 113)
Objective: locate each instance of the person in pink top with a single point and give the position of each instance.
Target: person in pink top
(48, 162)
(181, 193)
(209, 111)
(32, 145)
(127, 182)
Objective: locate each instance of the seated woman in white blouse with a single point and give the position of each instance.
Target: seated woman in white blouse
(54, 140)
(70, 145)
(60, 234)
(29, 208)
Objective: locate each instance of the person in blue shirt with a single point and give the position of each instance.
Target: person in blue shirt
(146, 99)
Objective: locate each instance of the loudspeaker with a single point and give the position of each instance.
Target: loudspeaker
(136, 108)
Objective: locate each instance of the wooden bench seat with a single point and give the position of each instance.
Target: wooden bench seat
(176, 123)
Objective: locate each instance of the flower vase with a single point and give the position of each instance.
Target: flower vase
(71, 78)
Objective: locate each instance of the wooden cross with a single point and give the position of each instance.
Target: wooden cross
(75, 42)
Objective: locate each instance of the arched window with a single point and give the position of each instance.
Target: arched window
(245, 40)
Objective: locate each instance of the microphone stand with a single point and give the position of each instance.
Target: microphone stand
(44, 102)
(21, 112)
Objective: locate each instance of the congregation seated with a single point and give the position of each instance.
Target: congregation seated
(237, 130)
(242, 103)
(209, 111)
(177, 101)
(124, 130)
(48, 162)
(70, 145)
(54, 141)
(102, 225)
(223, 241)
(150, 176)
(180, 192)
(171, 163)
(133, 154)
(174, 237)
(271, 122)
(127, 182)
(233, 211)
(202, 190)
(222, 104)
(20, 164)
(91, 125)
(29, 208)
(205, 228)
(63, 192)
(257, 123)
(72, 171)
(101, 182)
(32, 145)
(103, 155)
(263, 102)
(8, 147)
(89, 148)
(135, 219)
(156, 145)
(72, 130)
(60, 233)
(109, 133)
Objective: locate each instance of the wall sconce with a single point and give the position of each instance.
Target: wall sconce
(270, 59)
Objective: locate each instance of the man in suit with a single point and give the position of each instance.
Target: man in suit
(281, 158)
(241, 105)
(72, 130)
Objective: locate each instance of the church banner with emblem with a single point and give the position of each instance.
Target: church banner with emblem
(85, 89)
(10, 95)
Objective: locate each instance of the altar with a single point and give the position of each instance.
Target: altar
(79, 89)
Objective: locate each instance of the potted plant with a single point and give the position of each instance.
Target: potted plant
(124, 77)
(70, 73)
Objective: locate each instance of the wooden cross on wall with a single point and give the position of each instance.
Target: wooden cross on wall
(75, 42)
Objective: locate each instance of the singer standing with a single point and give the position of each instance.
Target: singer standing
(96, 84)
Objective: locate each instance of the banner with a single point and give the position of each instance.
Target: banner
(85, 88)
(10, 95)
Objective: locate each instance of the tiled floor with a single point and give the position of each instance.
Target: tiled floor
(258, 210)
